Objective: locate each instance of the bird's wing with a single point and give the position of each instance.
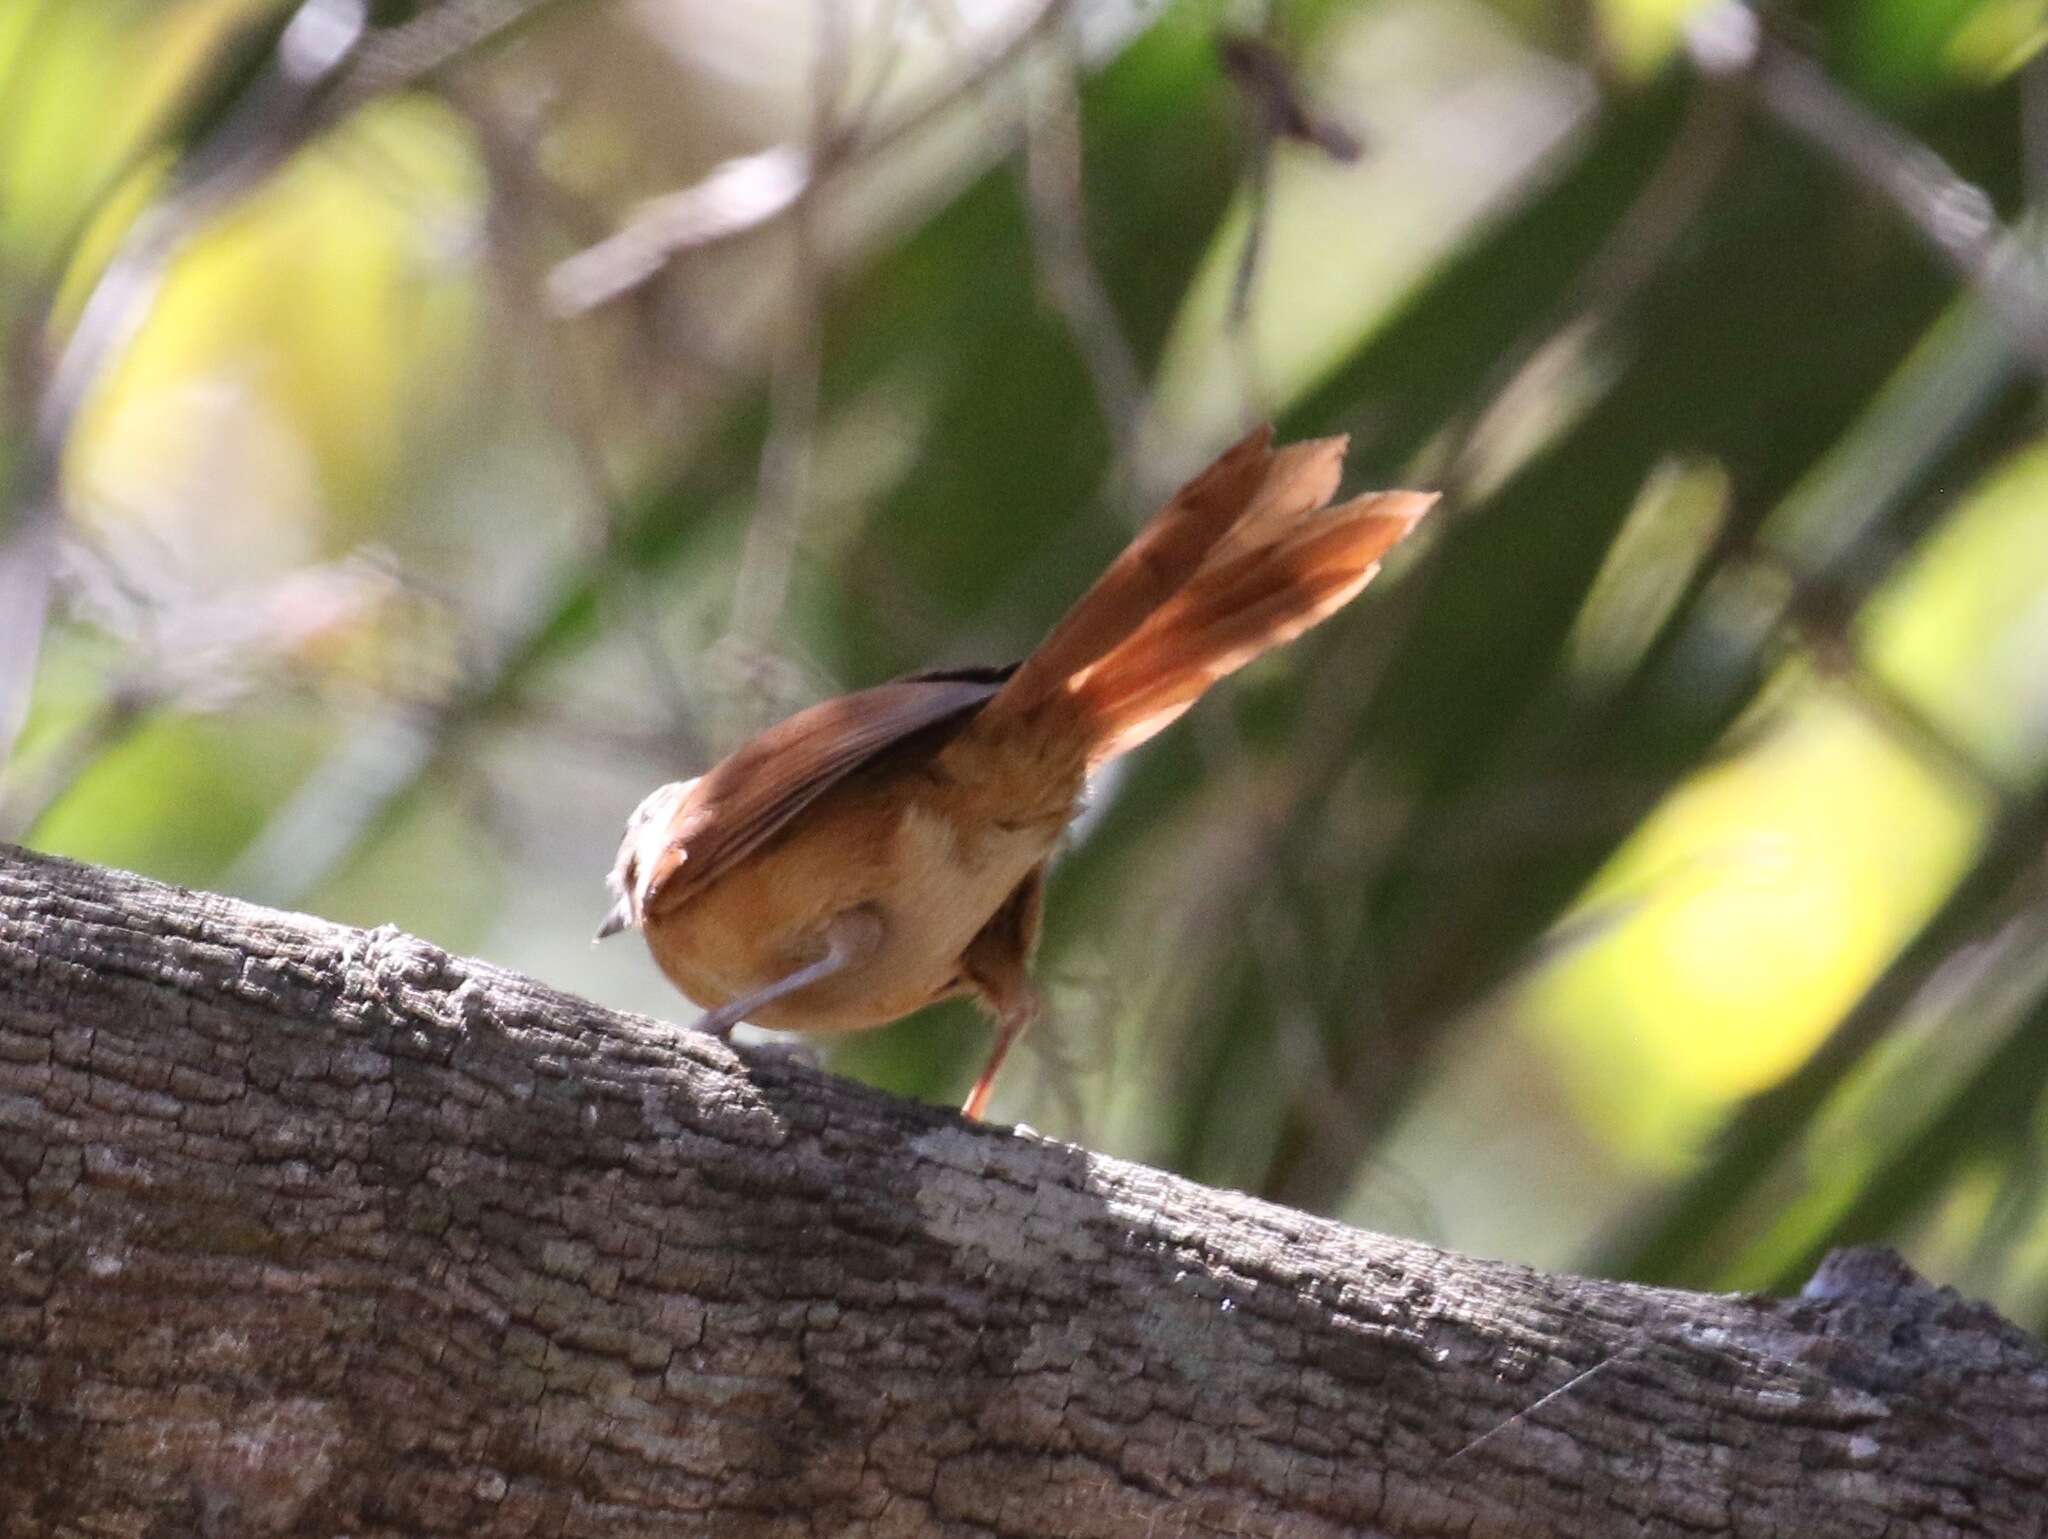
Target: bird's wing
(748, 797)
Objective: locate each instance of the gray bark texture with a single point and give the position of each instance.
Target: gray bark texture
(310, 1230)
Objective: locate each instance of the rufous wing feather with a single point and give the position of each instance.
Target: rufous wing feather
(750, 796)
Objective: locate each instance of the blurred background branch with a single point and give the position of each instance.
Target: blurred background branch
(426, 427)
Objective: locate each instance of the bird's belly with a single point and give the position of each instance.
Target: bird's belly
(932, 885)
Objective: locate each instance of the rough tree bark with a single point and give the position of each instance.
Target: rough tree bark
(310, 1230)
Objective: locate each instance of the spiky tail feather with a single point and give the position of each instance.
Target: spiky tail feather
(1243, 558)
(1242, 604)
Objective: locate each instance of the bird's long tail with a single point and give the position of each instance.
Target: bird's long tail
(1244, 558)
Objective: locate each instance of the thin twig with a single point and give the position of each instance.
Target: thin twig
(755, 191)
(1244, 280)
(889, 26)
(1257, 90)
(1955, 217)
(2034, 131)
(1274, 942)
(441, 35)
(762, 587)
(1821, 616)
(1584, 1376)
(1067, 279)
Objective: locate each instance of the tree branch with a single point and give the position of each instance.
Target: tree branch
(313, 1230)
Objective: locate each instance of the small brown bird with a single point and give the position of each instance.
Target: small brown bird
(887, 849)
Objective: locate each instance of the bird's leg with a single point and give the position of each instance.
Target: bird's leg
(1010, 1025)
(997, 963)
(851, 937)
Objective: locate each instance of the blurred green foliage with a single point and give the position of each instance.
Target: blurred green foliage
(1646, 875)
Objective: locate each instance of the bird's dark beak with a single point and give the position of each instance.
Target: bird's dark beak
(618, 919)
